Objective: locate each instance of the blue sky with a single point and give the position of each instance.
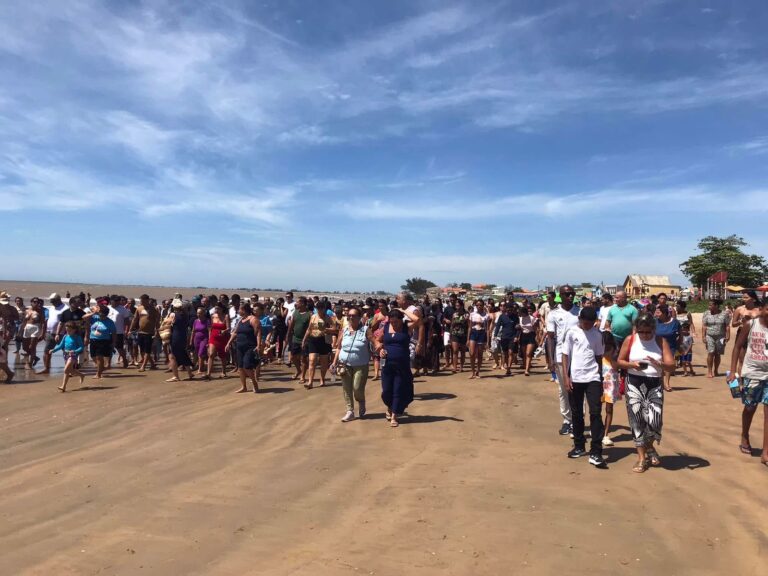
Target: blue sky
(350, 145)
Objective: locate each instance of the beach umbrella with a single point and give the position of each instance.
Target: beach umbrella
(763, 288)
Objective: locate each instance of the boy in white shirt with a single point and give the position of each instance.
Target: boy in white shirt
(582, 364)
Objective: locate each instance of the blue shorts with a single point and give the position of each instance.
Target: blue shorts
(686, 357)
(479, 336)
(754, 392)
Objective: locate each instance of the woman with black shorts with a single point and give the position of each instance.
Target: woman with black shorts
(479, 325)
(247, 340)
(320, 325)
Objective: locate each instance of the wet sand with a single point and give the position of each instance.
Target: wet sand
(133, 475)
(27, 290)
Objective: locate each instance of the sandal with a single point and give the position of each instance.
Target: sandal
(745, 449)
(308, 386)
(388, 415)
(393, 422)
(653, 457)
(640, 467)
(174, 379)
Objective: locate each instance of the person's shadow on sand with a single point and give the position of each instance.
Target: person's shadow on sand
(411, 419)
(434, 396)
(677, 461)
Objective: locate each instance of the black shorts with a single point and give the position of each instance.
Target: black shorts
(526, 339)
(318, 345)
(145, 342)
(298, 350)
(119, 341)
(459, 339)
(101, 348)
(505, 344)
(246, 357)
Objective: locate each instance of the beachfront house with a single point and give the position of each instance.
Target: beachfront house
(644, 285)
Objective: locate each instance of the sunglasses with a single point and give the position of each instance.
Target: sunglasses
(350, 316)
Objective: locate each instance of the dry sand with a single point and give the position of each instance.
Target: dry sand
(138, 476)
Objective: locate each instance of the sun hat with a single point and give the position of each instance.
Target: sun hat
(5, 298)
(177, 303)
(53, 296)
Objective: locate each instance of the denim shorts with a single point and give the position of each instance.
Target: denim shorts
(479, 336)
(754, 392)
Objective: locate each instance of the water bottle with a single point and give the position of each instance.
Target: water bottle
(733, 385)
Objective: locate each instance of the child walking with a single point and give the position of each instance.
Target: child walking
(612, 392)
(686, 350)
(73, 346)
(582, 361)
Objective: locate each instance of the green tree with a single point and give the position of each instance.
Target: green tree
(417, 285)
(725, 254)
(465, 286)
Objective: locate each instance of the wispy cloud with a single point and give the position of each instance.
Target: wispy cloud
(686, 200)
(754, 146)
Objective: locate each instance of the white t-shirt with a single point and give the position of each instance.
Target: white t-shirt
(603, 316)
(582, 348)
(119, 314)
(54, 313)
(560, 321)
(290, 306)
(232, 313)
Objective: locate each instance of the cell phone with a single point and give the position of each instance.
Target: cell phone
(643, 365)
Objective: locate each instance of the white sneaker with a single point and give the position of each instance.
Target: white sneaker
(349, 416)
(607, 441)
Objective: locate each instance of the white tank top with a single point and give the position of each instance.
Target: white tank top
(755, 364)
(640, 351)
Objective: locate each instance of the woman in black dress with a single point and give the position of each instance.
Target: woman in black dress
(179, 356)
(246, 339)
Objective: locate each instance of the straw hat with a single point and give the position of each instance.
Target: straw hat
(177, 303)
(5, 298)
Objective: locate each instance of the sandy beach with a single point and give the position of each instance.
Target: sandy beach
(132, 475)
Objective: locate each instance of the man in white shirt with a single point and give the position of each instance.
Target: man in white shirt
(582, 363)
(120, 315)
(544, 311)
(52, 330)
(289, 305)
(559, 321)
(602, 316)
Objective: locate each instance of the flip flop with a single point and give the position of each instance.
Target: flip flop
(640, 467)
(746, 450)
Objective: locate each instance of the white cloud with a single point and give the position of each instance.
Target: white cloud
(755, 146)
(684, 200)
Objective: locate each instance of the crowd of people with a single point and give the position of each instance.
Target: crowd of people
(597, 351)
